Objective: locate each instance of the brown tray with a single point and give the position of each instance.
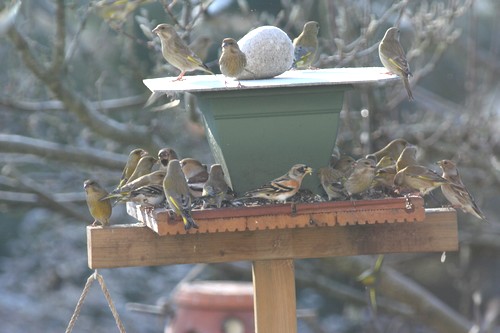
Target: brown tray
(281, 216)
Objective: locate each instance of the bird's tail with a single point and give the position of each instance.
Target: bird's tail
(408, 89)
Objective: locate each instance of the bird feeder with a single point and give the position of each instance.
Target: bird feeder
(257, 132)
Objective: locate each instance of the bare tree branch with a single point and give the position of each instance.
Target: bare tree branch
(83, 109)
(59, 40)
(11, 143)
(115, 104)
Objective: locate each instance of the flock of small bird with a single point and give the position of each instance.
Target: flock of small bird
(232, 61)
(178, 184)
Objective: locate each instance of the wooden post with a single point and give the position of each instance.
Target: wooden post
(274, 296)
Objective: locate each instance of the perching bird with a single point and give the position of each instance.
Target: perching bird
(133, 158)
(384, 177)
(393, 57)
(392, 149)
(149, 195)
(196, 175)
(345, 165)
(284, 187)
(143, 167)
(177, 194)
(456, 192)
(165, 155)
(385, 162)
(177, 53)
(306, 46)
(408, 157)
(332, 181)
(216, 190)
(153, 178)
(98, 208)
(232, 61)
(420, 178)
(361, 177)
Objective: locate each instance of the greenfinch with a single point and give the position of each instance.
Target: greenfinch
(345, 165)
(332, 181)
(216, 190)
(419, 178)
(392, 149)
(177, 53)
(232, 61)
(361, 177)
(408, 157)
(196, 175)
(143, 167)
(153, 178)
(165, 155)
(284, 187)
(306, 46)
(393, 57)
(384, 177)
(385, 162)
(456, 192)
(177, 194)
(132, 160)
(99, 208)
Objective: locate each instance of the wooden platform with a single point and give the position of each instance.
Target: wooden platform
(275, 232)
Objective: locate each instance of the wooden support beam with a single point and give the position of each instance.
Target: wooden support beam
(274, 296)
(137, 245)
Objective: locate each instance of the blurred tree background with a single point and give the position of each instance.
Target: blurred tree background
(72, 106)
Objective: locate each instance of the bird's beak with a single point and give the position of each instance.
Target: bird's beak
(309, 170)
(155, 30)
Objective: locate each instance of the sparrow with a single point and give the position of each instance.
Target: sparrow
(456, 192)
(393, 57)
(306, 46)
(216, 190)
(361, 177)
(284, 187)
(99, 208)
(420, 178)
(177, 53)
(177, 194)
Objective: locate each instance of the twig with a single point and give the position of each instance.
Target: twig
(11, 143)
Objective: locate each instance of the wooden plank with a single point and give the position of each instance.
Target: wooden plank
(274, 296)
(137, 245)
(281, 216)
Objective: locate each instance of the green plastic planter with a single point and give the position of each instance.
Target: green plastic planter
(259, 131)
